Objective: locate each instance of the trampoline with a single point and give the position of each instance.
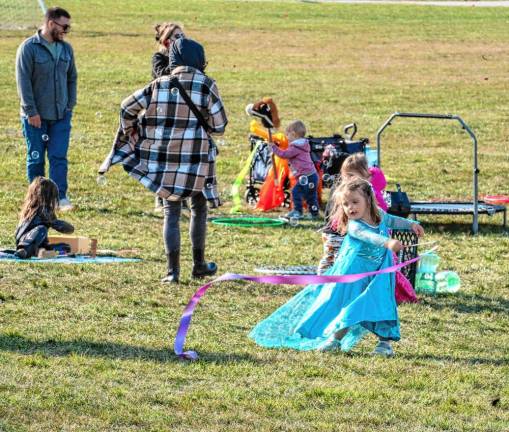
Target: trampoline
(475, 207)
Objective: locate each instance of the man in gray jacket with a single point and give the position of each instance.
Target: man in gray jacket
(46, 77)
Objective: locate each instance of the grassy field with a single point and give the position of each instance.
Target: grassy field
(89, 347)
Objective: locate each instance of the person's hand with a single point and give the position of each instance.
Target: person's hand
(418, 229)
(35, 121)
(394, 245)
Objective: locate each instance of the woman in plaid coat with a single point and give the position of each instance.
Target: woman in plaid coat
(162, 145)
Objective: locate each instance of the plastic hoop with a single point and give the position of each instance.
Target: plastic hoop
(291, 270)
(248, 222)
(496, 199)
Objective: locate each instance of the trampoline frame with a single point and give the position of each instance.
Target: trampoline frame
(464, 126)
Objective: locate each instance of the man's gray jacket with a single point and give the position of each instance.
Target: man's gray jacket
(46, 86)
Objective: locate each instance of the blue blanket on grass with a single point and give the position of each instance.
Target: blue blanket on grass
(78, 259)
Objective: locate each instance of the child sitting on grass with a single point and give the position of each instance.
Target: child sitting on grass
(303, 169)
(37, 216)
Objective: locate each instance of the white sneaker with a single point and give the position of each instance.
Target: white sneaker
(158, 204)
(65, 205)
(384, 349)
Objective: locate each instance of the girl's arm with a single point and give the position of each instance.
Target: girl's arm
(358, 231)
(290, 152)
(396, 222)
(379, 183)
(378, 180)
(62, 226)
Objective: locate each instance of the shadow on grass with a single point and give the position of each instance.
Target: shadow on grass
(471, 361)
(124, 212)
(109, 350)
(468, 304)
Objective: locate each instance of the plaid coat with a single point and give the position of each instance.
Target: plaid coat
(161, 143)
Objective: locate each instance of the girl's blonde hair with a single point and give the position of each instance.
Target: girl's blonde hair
(357, 164)
(338, 214)
(164, 31)
(41, 199)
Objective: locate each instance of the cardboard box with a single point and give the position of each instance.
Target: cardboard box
(43, 253)
(79, 245)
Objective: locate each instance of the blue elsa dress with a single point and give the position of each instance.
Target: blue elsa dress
(312, 316)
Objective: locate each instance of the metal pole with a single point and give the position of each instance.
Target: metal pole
(379, 135)
(43, 6)
(475, 222)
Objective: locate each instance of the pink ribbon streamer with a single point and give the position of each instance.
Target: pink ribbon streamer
(185, 320)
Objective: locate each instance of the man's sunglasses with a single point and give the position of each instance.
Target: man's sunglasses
(65, 27)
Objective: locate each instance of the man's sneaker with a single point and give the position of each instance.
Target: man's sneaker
(384, 349)
(65, 205)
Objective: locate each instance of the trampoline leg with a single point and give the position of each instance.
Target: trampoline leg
(505, 218)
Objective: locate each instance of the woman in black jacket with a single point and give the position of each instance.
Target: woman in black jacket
(166, 34)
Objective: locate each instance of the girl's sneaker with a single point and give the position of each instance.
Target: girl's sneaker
(384, 349)
(330, 344)
(294, 214)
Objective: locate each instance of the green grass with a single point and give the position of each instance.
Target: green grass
(89, 347)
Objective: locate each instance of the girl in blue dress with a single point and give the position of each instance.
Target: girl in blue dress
(337, 315)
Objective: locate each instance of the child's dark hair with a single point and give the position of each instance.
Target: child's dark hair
(41, 199)
(54, 13)
(338, 214)
(358, 164)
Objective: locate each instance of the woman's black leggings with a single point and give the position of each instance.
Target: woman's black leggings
(197, 226)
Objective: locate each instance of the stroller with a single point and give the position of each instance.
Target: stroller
(327, 153)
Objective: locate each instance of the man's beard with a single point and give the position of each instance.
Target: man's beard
(55, 35)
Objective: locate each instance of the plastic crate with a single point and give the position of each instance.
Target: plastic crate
(407, 238)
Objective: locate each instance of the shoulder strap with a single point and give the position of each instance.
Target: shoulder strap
(174, 82)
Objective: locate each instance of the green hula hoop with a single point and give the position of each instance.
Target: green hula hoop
(249, 222)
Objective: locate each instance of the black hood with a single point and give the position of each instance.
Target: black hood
(187, 52)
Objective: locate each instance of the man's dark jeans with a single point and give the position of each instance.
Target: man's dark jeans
(52, 137)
